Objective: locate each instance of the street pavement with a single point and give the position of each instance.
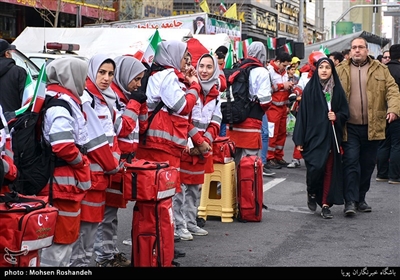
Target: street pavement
(290, 235)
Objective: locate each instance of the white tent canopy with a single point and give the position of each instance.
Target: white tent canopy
(375, 44)
(111, 41)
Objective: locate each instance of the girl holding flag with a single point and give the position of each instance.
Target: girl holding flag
(318, 135)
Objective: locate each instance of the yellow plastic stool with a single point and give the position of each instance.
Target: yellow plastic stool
(224, 204)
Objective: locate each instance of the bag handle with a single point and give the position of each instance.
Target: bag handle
(13, 197)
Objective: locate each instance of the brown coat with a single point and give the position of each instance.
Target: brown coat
(382, 93)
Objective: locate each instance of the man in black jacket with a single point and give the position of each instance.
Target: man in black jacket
(388, 157)
(12, 79)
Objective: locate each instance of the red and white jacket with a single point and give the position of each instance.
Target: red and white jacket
(66, 133)
(280, 96)
(204, 126)
(131, 120)
(7, 155)
(169, 129)
(103, 154)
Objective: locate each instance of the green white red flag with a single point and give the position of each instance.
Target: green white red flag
(271, 43)
(239, 49)
(229, 58)
(40, 90)
(29, 90)
(147, 54)
(288, 48)
(246, 44)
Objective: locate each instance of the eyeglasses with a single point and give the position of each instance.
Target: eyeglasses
(386, 57)
(358, 47)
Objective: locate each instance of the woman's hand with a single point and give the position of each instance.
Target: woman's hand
(331, 116)
(300, 148)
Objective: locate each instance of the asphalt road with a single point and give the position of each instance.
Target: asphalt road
(290, 235)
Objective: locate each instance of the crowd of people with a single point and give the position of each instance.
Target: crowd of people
(346, 105)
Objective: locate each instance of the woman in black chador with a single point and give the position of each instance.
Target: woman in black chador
(318, 135)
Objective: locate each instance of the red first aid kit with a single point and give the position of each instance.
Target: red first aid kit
(149, 180)
(223, 150)
(28, 224)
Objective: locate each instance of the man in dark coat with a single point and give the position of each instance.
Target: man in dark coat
(12, 79)
(388, 156)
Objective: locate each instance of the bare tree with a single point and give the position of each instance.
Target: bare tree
(46, 14)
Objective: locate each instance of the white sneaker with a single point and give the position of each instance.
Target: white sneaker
(198, 231)
(294, 164)
(184, 234)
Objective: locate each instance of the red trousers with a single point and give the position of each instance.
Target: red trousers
(277, 115)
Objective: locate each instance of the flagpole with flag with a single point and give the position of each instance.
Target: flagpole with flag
(229, 58)
(147, 55)
(271, 43)
(231, 12)
(246, 45)
(29, 90)
(222, 8)
(204, 6)
(40, 90)
(288, 48)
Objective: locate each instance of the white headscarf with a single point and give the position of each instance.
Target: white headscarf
(258, 50)
(170, 53)
(207, 85)
(94, 65)
(127, 69)
(69, 72)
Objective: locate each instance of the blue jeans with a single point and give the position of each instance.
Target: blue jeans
(222, 130)
(264, 138)
(359, 160)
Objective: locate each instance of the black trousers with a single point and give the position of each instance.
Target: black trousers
(359, 161)
(388, 157)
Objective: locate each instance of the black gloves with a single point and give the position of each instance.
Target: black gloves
(139, 96)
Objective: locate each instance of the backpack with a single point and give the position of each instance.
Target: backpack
(33, 155)
(241, 107)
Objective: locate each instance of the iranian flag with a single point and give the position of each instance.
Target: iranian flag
(147, 54)
(324, 49)
(271, 43)
(40, 90)
(288, 48)
(246, 44)
(229, 58)
(28, 90)
(222, 8)
(239, 49)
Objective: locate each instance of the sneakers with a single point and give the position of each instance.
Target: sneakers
(184, 234)
(268, 172)
(349, 208)
(122, 260)
(326, 213)
(272, 164)
(394, 181)
(197, 231)
(294, 164)
(109, 263)
(179, 254)
(282, 162)
(311, 202)
(380, 179)
(363, 207)
(176, 237)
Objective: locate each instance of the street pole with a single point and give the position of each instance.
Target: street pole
(301, 24)
(360, 6)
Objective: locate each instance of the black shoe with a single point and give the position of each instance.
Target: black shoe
(349, 208)
(268, 172)
(311, 202)
(200, 222)
(178, 254)
(363, 207)
(326, 213)
(282, 162)
(271, 164)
